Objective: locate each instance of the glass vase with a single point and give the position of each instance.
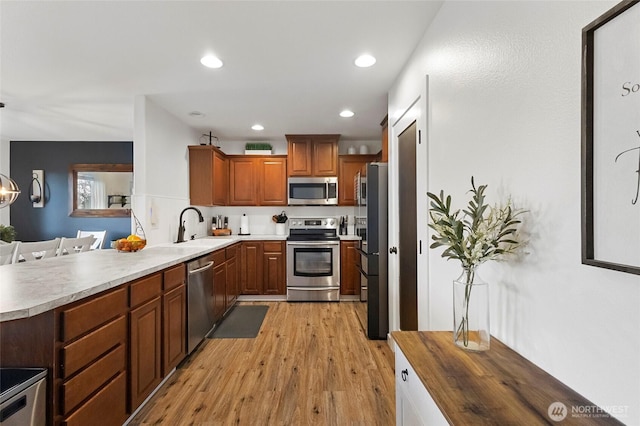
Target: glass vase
(471, 311)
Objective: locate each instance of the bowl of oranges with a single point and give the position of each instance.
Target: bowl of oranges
(130, 244)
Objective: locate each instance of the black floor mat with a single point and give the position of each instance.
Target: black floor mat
(243, 322)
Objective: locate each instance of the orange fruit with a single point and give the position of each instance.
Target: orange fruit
(133, 238)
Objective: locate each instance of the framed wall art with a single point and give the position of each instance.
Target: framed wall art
(611, 139)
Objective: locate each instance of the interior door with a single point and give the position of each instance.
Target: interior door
(408, 236)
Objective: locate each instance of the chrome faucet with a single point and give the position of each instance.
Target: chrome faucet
(180, 238)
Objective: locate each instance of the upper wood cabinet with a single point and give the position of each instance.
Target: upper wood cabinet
(258, 181)
(348, 166)
(313, 155)
(208, 176)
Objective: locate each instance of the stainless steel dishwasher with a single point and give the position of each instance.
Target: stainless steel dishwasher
(23, 396)
(200, 318)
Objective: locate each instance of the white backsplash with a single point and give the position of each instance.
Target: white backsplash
(260, 218)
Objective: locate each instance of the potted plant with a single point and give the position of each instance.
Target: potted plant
(473, 236)
(7, 233)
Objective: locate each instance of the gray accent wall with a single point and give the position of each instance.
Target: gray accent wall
(53, 220)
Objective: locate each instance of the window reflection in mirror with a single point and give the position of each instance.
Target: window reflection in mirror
(101, 190)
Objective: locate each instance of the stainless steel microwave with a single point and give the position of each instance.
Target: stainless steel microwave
(313, 191)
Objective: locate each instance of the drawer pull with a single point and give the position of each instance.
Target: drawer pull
(404, 374)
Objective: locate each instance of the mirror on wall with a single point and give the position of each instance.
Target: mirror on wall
(100, 190)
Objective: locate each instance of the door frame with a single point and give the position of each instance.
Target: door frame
(417, 111)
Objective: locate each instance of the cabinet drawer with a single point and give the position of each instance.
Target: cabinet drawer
(89, 315)
(95, 376)
(108, 407)
(174, 277)
(232, 251)
(145, 289)
(85, 350)
(219, 257)
(272, 246)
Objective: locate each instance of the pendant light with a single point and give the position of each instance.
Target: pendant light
(9, 191)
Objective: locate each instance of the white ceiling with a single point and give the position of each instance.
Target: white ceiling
(70, 70)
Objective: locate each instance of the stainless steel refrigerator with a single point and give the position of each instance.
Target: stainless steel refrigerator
(371, 225)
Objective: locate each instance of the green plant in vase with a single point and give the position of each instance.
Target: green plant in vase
(473, 236)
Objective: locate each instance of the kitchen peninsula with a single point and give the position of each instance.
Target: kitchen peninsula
(108, 326)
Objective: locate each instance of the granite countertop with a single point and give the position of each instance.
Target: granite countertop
(31, 288)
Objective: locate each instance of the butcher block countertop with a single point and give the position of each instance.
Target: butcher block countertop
(497, 387)
(31, 288)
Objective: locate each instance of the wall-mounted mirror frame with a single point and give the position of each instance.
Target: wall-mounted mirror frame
(74, 169)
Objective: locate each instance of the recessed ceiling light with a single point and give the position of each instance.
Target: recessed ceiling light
(196, 114)
(211, 61)
(257, 127)
(364, 61)
(346, 114)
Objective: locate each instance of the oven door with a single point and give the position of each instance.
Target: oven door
(313, 264)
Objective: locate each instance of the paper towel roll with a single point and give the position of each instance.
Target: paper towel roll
(244, 225)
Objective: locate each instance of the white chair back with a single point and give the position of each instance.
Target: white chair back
(8, 252)
(36, 250)
(99, 235)
(75, 245)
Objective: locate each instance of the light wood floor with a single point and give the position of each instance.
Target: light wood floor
(310, 364)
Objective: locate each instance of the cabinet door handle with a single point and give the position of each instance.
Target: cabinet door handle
(404, 374)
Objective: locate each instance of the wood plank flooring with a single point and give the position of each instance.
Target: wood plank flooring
(311, 364)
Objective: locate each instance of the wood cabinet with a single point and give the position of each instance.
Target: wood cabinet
(263, 268)
(348, 166)
(257, 181)
(225, 279)
(233, 271)
(349, 273)
(251, 267)
(104, 354)
(274, 267)
(174, 317)
(219, 284)
(93, 360)
(312, 155)
(208, 176)
(145, 330)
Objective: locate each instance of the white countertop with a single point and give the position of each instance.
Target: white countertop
(31, 288)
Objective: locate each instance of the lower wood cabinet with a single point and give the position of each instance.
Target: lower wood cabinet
(349, 273)
(91, 380)
(174, 317)
(263, 266)
(145, 323)
(233, 253)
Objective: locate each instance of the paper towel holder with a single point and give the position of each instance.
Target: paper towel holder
(244, 225)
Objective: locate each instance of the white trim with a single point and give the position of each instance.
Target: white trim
(416, 111)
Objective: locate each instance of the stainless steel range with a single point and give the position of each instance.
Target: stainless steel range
(313, 260)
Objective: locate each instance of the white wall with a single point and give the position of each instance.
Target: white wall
(504, 106)
(161, 172)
